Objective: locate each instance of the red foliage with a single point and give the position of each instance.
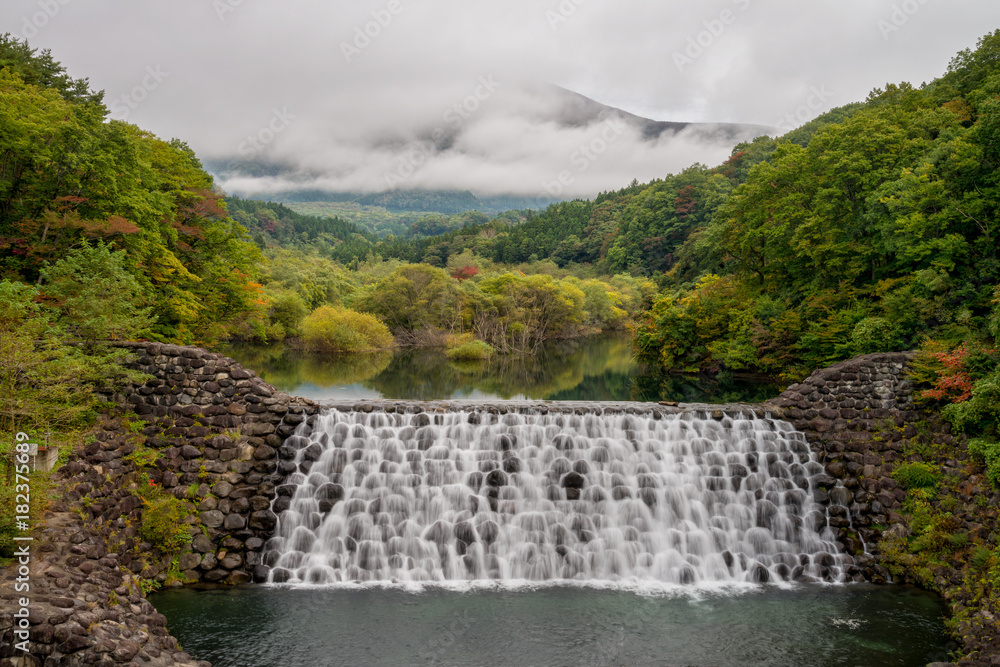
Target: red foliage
(187, 230)
(954, 383)
(203, 204)
(685, 204)
(729, 167)
(113, 226)
(465, 272)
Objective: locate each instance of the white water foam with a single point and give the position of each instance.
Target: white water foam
(471, 499)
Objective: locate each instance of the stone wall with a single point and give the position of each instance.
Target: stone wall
(863, 424)
(87, 603)
(854, 414)
(216, 429)
(208, 434)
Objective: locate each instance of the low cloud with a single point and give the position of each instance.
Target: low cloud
(530, 140)
(364, 84)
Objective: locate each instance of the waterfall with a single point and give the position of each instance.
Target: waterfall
(459, 496)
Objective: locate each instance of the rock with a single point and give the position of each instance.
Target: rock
(573, 480)
(265, 452)
(188, 561)
(496, 478)
(237, 577)
(841, 496)
(240, 505)
(189, 452)
(202, 544)
(213, 518)
(231, 561)
(836, 469)
(75, 643)
(126, 650)
(43, 633)
(898, 530)
(823, 480)
(263, 520)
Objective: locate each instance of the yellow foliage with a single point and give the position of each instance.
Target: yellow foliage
(329, 329)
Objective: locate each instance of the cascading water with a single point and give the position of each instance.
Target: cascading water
(474, 495)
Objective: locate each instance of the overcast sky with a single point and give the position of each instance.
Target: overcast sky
(348, 93)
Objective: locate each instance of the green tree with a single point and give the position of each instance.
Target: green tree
(94, 296)
(414, 297)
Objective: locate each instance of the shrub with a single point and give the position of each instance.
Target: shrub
(143, 457)
(981, 412)
(475, 350)
(988, 451)
(981, 559)
(453, 340)
(917, 475)
(330, 329)
(163, 523)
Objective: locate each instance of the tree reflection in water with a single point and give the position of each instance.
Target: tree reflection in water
(597, 368)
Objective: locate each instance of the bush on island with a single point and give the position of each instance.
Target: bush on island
(474, 350)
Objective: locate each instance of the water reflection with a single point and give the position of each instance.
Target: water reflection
(597, 368)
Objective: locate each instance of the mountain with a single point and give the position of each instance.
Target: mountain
(518, 147)
(575, 110)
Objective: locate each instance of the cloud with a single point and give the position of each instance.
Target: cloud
(499, 138)
(361, 110)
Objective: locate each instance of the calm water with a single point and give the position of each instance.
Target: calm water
(840, 626)
(598, 368)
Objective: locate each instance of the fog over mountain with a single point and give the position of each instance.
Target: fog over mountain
(378, 94)
(503, 138)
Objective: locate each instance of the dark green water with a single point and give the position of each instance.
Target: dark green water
(841, 626)
(597, 368)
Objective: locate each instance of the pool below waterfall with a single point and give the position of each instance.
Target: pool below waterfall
(498, 625)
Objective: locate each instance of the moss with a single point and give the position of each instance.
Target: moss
(143, 457)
